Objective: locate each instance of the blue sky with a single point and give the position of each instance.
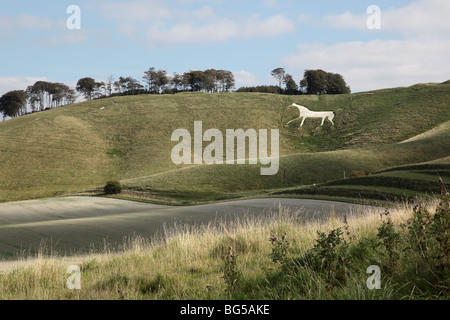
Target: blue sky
(250, 38)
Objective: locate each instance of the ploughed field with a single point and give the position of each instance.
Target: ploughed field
(80, 225)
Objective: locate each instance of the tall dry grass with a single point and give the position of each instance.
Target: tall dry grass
(187, 262)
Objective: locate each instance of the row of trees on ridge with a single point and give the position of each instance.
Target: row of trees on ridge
(159, 82)
(45, 95)
(313, 82)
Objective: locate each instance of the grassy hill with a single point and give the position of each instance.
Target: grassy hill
(81, 146)
(305, 169)
(404, 182)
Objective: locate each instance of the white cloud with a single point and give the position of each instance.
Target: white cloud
(245, 79)
(67, 38)
(138, 10)
(378, 63)
(10, 26)
(218, 30)
(51, 32)
(188, 32)
(274, 25)
(304, 18)
(126, 29)
(28, 21)
(271, 4)
(25, 21)
(419, 17)
(419, 56)
(205, 13)
(162, 23)
(347, 20)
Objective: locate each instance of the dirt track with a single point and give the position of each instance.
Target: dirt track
(71, 225)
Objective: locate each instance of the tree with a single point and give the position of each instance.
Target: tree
(45, 95)
(156, 80)
(194, 79)
(39, 95)
(161, 80)
(61, 94)
(13, 103)
(123, 83)
(291, 85)
(315, 81)
(279, 74)
(336, 84)
(99, 86)
(70, 96)
(321, 82)
(118, 87)
(130, 85)
(134, 86)
(221, 79)
(109, 86)
(229, 80)
(210, 80)
(177, 82)
(304, 85)
(87, 86)
(34, 97)
(218, 80)
(150, 77)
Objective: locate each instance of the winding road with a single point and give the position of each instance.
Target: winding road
(70, 225)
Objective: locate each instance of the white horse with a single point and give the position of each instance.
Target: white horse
(305, 113)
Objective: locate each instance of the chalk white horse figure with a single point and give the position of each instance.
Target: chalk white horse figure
(305, 113)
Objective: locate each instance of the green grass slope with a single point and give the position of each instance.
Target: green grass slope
(405, 182)
(81, 146)
(297, 170)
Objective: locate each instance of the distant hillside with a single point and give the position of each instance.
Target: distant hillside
(302, 169)
(81, 146)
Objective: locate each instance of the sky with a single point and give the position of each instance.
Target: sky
(407, 43)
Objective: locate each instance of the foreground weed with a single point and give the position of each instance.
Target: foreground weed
(329, 258)
(441, 230)
(280, 247)
(331, 252)
(231, 273)
(390, 238)
(418, 230)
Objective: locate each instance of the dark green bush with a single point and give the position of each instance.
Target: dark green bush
(112, 187)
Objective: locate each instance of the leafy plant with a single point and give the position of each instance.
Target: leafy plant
(330, 256)
(231, 273)
(418, 230)
(440, 229)
(390, 238)
(280, 247)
